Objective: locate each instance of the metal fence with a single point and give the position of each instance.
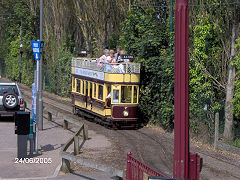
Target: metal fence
(115, 68)
(137, 170)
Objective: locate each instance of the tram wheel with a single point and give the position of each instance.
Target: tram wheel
(114, 126)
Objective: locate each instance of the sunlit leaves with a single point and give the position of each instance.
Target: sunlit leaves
(146, 37)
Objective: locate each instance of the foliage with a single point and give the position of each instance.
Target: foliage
(113, 41)
(72, 26)
(236, 99)
(58, 74)
(236, 143)
(144, 35)
(11, 44)
(63, 69)
(203, 99)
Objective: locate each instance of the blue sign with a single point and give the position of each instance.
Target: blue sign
(37, 48)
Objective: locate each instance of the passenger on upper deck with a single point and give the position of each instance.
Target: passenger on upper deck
(111, 58)
(103, 58)
(122, 53)
(117, 54)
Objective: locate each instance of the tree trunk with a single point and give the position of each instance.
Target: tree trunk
(228, 128)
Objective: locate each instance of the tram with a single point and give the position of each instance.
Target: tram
(107, 93)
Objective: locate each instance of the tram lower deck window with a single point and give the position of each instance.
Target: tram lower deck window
(100, 92)
(86, 88)
(78, 85)
(91, 89)
(83, 82)
(95, 90)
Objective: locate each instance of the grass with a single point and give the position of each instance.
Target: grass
(237, 143)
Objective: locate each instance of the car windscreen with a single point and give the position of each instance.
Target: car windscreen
(8, 89)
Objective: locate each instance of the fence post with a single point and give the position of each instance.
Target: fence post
(76, 145)
(216, 129)
(129, 169)
(85, 132)
(65, 166)
(49, 116)
(65, 124)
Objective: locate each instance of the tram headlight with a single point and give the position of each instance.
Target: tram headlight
(125, 113)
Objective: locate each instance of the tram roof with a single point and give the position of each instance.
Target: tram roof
(111, 68)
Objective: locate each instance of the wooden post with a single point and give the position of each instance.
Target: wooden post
(65, 124)
(76, 145)
(49, 116)
(65, 166)
(216, 129)
(85, 132)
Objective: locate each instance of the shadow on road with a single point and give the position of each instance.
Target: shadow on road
(6, 119)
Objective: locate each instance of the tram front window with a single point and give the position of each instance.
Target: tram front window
(126, 94)
(115, 96)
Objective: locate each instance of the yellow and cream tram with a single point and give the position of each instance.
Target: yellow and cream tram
(108, 93)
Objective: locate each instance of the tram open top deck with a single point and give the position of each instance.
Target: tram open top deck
(112, 72)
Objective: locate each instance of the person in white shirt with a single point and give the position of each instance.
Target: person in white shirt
(117, 54)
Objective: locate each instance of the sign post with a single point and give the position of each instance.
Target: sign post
(37, 50)
(40, 102)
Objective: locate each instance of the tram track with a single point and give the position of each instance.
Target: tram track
(218, 159)
(199, 151)
(126, 136)
(133, 144)
(142, 153)
(163, 150)
(154, 149)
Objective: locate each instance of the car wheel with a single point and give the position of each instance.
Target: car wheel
(10, 100)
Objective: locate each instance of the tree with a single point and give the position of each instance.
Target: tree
(204, 68)
(145, 34)
(228, 128)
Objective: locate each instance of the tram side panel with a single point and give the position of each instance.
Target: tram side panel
(91, 97)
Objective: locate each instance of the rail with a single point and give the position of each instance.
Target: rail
(114, 68)
(137, 170)
(67, 156)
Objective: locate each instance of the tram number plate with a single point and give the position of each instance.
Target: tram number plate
(128, 57)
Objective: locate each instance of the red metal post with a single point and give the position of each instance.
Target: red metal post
(194, 166)
(129, 168)
(181, 128)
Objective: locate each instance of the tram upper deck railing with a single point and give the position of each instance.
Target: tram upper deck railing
(114, 68)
